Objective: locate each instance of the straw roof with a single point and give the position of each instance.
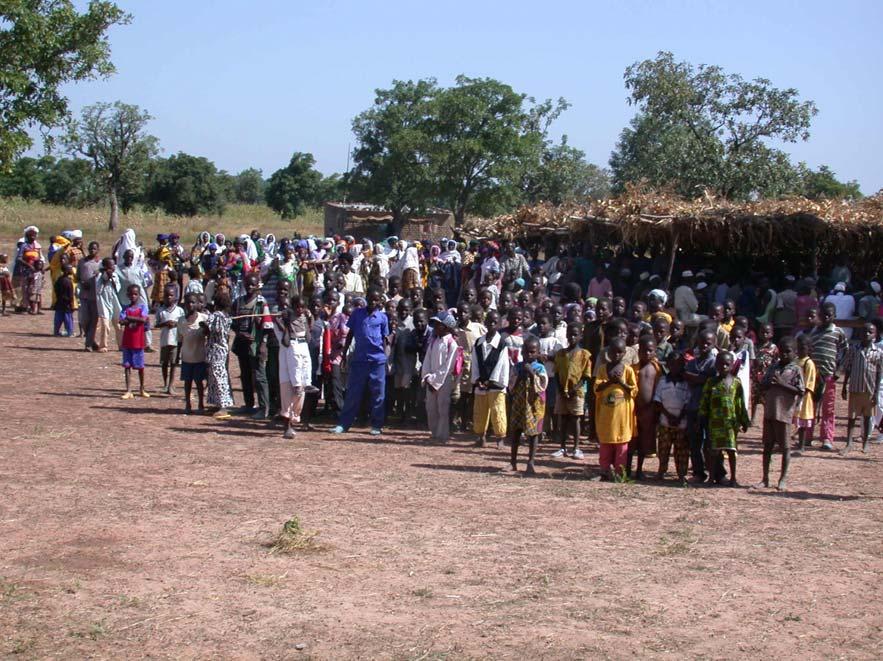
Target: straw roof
(641, 217)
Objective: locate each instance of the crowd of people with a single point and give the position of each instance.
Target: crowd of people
(513, 344)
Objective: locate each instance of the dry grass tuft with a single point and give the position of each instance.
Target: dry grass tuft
(294, 539)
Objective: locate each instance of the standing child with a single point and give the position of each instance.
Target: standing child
(573, 369)
(490, 376)
(806, 408)
(64, 302)
(167, 316)
(292, 328)
(723, 408)
(783, 386)
(616, 387)
(697, 372)
(192, 335)
(7, 290)
(828, 345)
(648, 371)
(437, 375)
(767, 355)
(862, 372)
(528, 403)
(466, 334)
(661, 330)
(671, 398)
(134, 320)
(549, 345)
(34, 288)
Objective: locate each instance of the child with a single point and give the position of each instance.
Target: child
(723, 408)
(616, 387)
(528, 403)
(828, 344)
(661, 330)
(405, 359)
(573, 369)
(722, 333)
(134, 320)
(466, 334)
(696, 373)
(671, 398)
(167, 316)
(767, 354)
(192, 336)
(292, 327)
(217, 351)
(437, 375)
(806, 409)
(783, 387)
(648, 371)
(862, 371)
(549, 348)
(34, 288)
(7, 290)
(64, 302)
(490, 376)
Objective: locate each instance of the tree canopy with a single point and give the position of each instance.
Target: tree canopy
(45, 44)
(293, 188)
(698, 127)
(185, 185)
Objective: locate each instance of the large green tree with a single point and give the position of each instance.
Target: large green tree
(185, 185)
(249, 186)
(70, 182)
(293, 188)
(562, 174)
(45, 44)
(698, 127)
(113, 138)
(823, 183)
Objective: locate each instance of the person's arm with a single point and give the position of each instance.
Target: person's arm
(846, 367)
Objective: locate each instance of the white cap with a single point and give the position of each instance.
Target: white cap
(702, 285)
(840, 286)
(687, 274)
(875, 286)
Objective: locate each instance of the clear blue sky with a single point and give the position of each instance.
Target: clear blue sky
(247, 83)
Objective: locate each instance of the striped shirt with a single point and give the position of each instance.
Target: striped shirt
(827, 346)
(864, 367)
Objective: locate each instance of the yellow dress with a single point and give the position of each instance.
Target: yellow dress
(806, 410)
(615, 406)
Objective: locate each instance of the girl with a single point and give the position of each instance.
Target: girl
(573, 369)
(616, 388)
(723, 407)
(767, 354)
(7, 291)
(806, 408)
(528, 403)
(292, 328)
(217, 329)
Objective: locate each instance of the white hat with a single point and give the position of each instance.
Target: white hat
(687, 274)
(76, 234)
(840, 286)
(875, 286)
(702, 285)
(660, 294)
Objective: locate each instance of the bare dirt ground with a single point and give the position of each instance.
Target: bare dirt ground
(128, 530)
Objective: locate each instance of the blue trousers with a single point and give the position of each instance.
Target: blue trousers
(364, 373)
(66, 318)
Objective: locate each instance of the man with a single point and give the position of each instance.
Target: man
(87, 270)
(685, 301)
(369, 327)
(844, 305)
(252, 331)
(514, 264)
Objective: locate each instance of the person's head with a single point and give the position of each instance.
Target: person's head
(316, 306)
(168, 296)
(787, 350)
(505, 301)
(716, 312)
(604, 310)
(38, 265)
(646, 349)
(675, 365)
(67, 270)
(536, 284)
(128, 257)
(394, 285)
(93, 249)
(544, 325)
(574, 333)
(108, 266)
(676, 330)
(464, 314)
(724, 363)
(803, 346)
(729, 309)
(391, 310)
(557, 314)
(828, 313)
(571, 293)
(737, 337)
(298, 305)
(374, 298)
(618, 306)
(492, 321)
(638, 311)
(345, 262)
(283, 292)
(530, 351)
(868, 334)
(661, 330)
(252, 284)
(485, 298)
(616, 328)
(812, 317)
(191, 303)
(222, 301)
(742, 322)
(600, 272)
(4, 258)
(416, 296)
(765, 333)
(31, 234)
(420, 319)
(616, 350)
(173, 276)
(704, 342)
(403, 309)
(633, 334)
(515, 318)
(470, 295)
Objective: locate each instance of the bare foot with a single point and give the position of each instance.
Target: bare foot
(781, 486)
(530, 470)
(509, 469)
(480, 443)
(763, 484)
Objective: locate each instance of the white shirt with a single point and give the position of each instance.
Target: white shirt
(674, 397)
(439, 360)
(169, 336)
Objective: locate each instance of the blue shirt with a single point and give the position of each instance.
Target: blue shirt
(369, 331)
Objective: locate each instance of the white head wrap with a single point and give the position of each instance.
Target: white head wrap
(660, 294)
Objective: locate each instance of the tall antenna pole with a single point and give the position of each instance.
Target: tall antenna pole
(346, 174)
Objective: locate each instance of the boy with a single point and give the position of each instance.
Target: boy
(696, 373)
(671, 398)
(192, 336)
(528, 403)
(549, 348)
(134, 320)
(648, 371)
(490, 376)
(664, 348)
(783, 386)
(615, 390)
(437, 375)
(573, 369)
(828, 344)
(862, 371)
(167, 316)
(722, 408)
(64, 302)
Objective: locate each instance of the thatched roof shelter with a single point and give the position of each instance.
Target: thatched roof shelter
(816, 229)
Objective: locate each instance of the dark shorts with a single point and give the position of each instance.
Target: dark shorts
(193, 371)
(133, 358)
(167, 354)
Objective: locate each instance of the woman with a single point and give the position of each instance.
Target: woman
(292, 327)
(217, 328)
(28, 253)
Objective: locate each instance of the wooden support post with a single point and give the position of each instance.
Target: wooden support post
(671, 259)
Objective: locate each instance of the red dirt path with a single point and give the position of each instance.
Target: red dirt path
(129, 530)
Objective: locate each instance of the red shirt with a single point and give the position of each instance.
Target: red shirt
(134, 335)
